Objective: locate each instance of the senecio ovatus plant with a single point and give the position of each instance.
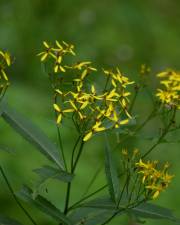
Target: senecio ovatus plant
(104, 110)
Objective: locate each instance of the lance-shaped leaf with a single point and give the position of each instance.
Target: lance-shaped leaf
(96, 211)
(44, 205)
(8, 221)
(151, 211)
(48, 172)
(90, 216)
(111, 175)
(32, 134)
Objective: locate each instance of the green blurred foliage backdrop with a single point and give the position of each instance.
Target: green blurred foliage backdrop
(110, 33)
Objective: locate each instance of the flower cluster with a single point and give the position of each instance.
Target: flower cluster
(56, 53)
(5, 61)
(170, 93)
(154, 180)
(92, 109)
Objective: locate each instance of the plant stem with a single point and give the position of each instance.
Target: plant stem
(15, 198)
(78, 157)
(121, 210)
(133, 100)
(73, 151)
(162, 135)
(87, 197)
(92, 180)
(73, 168)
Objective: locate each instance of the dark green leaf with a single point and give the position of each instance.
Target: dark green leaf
(147, 210)
(32, 134)
(48, 172)
(90, 216)
(8, 221)
(44, 205)
(111, 175)
(102, 203)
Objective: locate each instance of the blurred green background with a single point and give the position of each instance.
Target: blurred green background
(110, 33)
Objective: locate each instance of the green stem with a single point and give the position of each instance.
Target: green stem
(121, 210)
(78, 157)
(73, 151)
(73, 168)
(133, 100)
(162, 135)
(15, 198)
(87, 197)
(92, 180)
(59, 137)
(151, 115)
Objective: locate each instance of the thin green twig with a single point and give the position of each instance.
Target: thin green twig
(15, 198)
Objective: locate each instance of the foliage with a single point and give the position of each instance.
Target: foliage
(94, 111)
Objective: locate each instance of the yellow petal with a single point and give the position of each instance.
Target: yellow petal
(59, 60)
(156, 194)
(84, 73)
(84, 105)
(73, 105)
(58, 91)
(58, 45)
(59, 118)
(87, 136)
(4, 75)
(45, 44)
(44, 56)
(56, 69)
(68, 110)
(62, 69)
(56, 107)
(7, 58)
(123, 122)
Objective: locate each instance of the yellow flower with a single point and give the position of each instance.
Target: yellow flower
(170, 93)
(95, 128)
(48, 52)
(6, 56)
(5, 61)
(61, 112)
(153, 179)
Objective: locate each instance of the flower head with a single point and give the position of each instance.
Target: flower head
(169, 94)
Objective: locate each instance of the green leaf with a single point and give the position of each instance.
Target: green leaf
(144, 210)
(48, 172)
(32, 134)
(94, 212)
(151, 211)
(90, 216)
(8, 221)
(102, 203)
(44, 205)
(111, 175)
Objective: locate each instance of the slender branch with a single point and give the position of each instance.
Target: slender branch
(162, 135)
(73, 167)
(87, 197)
(123, 209)
(15, 198)
(59, 137)
(73, 151)
(92, 180)
(134, 99)
(78, 156)
(151, 115)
